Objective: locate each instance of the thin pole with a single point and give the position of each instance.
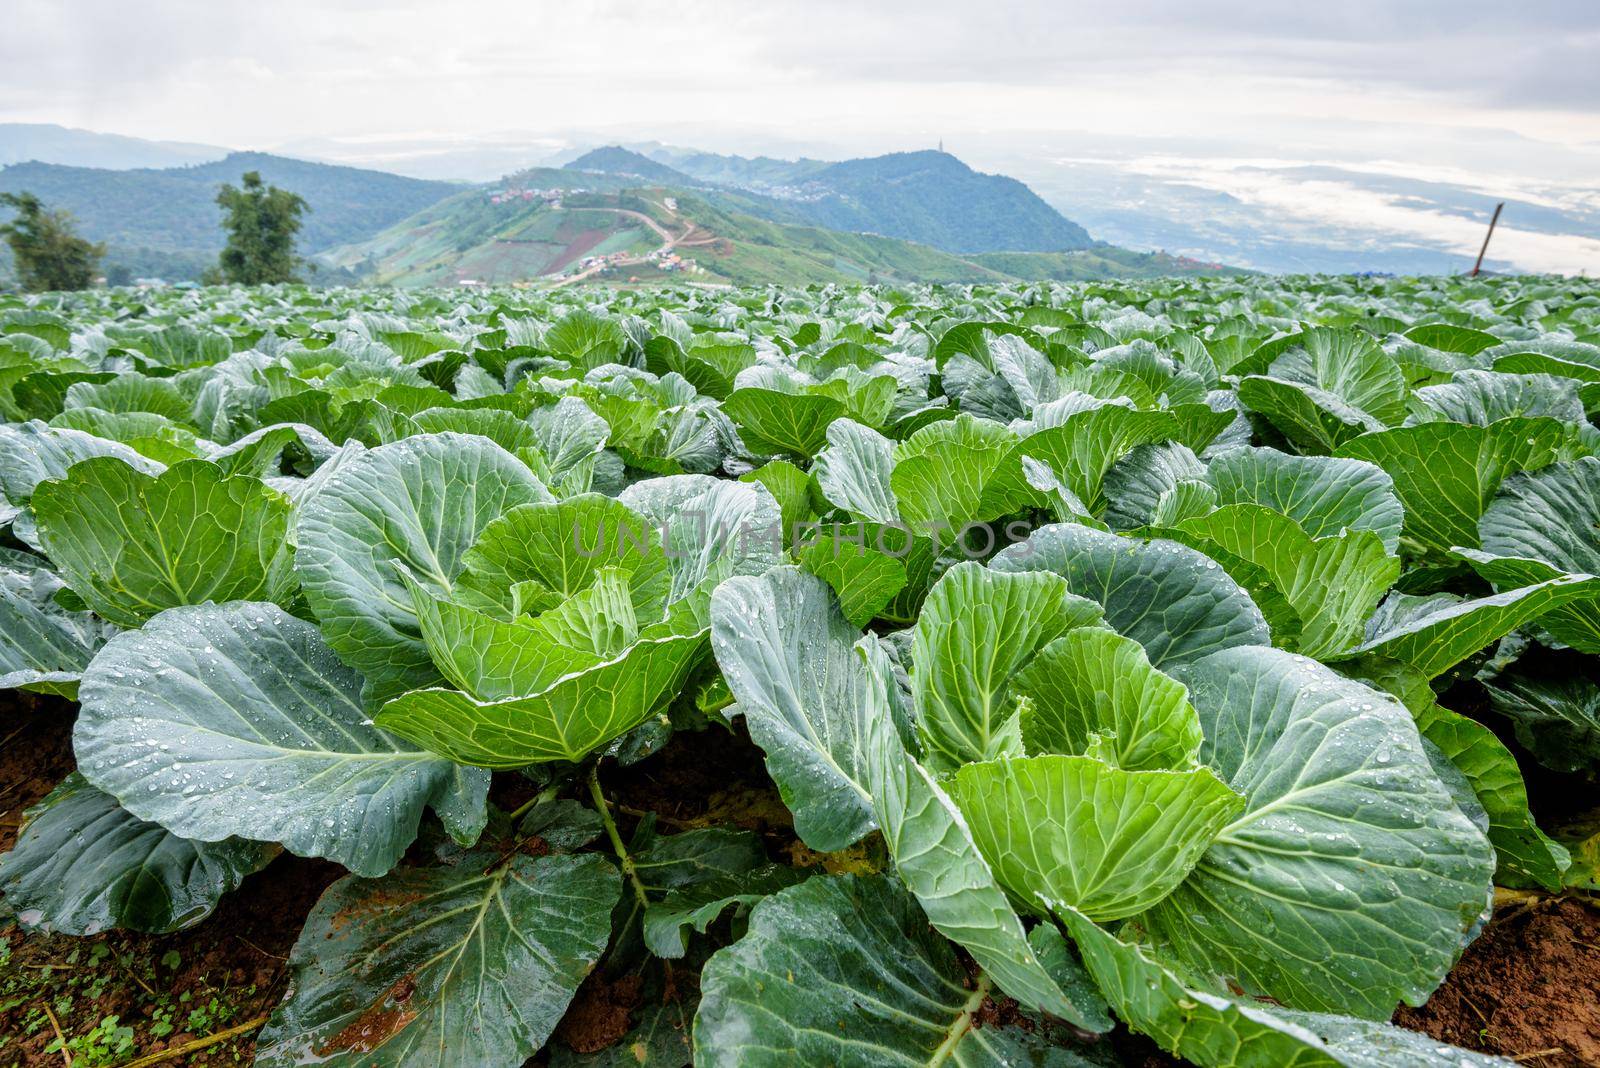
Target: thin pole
(1476, 267)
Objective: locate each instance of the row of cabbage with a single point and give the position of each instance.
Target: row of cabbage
(1120, 613)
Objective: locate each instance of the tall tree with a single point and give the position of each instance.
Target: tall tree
(48, 252)
(261, 221)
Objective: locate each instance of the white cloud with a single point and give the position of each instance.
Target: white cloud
(1270, 186)
(1502, 99)
(238, 71)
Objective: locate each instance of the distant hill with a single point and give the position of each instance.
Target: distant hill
(48, 143)
(929, 197)
(612, 213)
(166, 221)
(615, 159)
(758, 174)
(619, 229)
(1100, 262)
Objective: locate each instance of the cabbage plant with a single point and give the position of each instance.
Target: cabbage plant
(1160, 658)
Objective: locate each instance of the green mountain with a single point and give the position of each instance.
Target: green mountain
(166, 221)
(928, 197)
(48, 143)
(611, 214)
(759, 174)
(614, 159)
(619, 230)
(934, 198)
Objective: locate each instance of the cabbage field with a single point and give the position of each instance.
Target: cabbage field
(1022, 675)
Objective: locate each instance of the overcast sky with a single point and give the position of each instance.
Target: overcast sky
(1501, 97)
(248, 73)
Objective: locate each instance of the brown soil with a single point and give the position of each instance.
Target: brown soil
(35, 753)
(714, 776)
(601, 1013)
(1530, 984)
(230, 968)
(170, 989)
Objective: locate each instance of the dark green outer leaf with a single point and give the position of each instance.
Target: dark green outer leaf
(854, 471)
(790, 487)
(667, 922)
(1312, 418)
(1556, 718)
(467, 965)
(773, 422)
(711, 528)
(1330, 584)
(43, 646)
(83, 864)
(1170, 599)
(1552, 516)
(1482, 397)
(1524, 855)
(864, 579)
(1135, 484)
(1437, 640)
(1081, 450)
(32, 452)
(1575, 622)
(1447, 473)
(844, 971)
(1324, 494)
(1449, 338)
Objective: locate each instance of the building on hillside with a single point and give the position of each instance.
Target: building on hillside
(551, 197)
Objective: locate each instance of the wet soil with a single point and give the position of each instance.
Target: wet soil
(714, 776)
(35, 753)
(1529, 988)
(601, 1013)
(169, 989)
